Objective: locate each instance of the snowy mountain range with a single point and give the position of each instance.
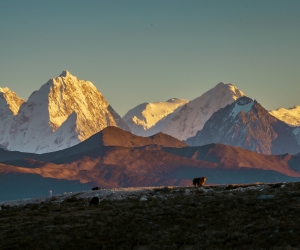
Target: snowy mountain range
(177, 117)
(148, 119)
(290, 116)
(246, 124)
(62, 113)
(66, 111)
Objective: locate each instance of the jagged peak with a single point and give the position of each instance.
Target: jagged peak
(177, 100)
(11, 99)
(66, 73)
(244, 100)
(292, 108)
(65, 79)
(223, 88)
(5, 90)
(223, 84)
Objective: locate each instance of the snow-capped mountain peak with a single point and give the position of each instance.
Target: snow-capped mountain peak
(65, 73)
(148, 119)
(246, 124)
(48, 108)
(9, 106)
(290, 116)
(193, 115)
(10, 99)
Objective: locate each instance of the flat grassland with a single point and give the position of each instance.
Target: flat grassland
(262, 216)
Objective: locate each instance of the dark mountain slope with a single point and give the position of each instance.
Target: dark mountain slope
(246, 124)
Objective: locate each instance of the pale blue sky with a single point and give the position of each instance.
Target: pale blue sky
(145, 51)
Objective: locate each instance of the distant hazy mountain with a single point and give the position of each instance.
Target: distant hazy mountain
(246, 124)
(193, 115)
(150, 118)
(290, 116)
(62, 113)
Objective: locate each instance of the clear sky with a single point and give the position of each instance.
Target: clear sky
(153, 50)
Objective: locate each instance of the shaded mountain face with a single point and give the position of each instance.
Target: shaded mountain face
(109, 167)
(193, 115)
(148, 119)
(235, 158)
(62, 113)
(246, 124)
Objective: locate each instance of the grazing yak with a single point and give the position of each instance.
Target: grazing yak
(199, 181)
(96, 188)
(277, 185)
(94, 201)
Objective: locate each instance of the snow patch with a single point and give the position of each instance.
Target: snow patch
(241, 105)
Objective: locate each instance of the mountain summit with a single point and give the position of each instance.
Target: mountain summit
(246, 124)
(193, 115)
(148, 119)
(290, 116)
(10, 104)
(9, 101)
(62, 113)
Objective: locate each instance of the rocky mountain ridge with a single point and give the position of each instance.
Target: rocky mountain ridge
(290, 116)
(62, 113)
(194, 114)
(246, 124)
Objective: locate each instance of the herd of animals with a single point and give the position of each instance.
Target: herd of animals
(197, 182)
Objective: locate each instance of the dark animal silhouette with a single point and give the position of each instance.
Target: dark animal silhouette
(277, 185)
(94, 201)
(199, 181)
(96, 188)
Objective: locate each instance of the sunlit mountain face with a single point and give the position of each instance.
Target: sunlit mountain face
(62, 113)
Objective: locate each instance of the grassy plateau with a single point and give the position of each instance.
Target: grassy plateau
(257, 216)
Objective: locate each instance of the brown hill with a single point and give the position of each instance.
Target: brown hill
(146, 162)
(110, 136)
(113, 136)
(123, 167)
(234, 158)
(115, 167)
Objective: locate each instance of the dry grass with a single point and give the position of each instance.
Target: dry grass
(209, 218)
